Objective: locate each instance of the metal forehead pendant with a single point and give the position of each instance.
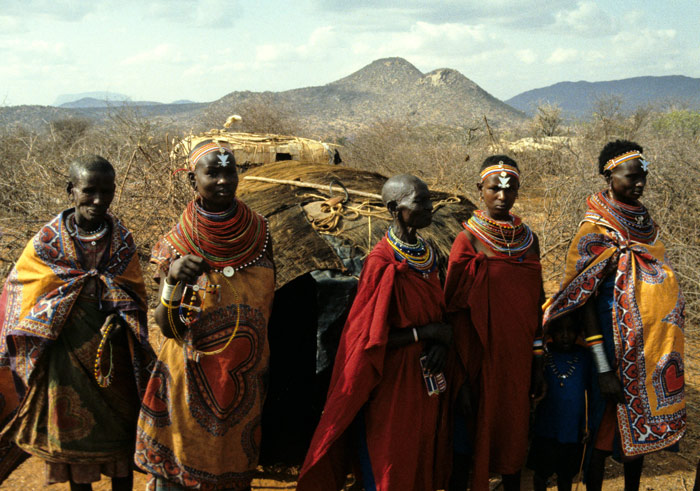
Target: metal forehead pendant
(228, 271)
(504, 182)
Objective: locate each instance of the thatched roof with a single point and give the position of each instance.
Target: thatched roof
(251, 149)
(300, 249)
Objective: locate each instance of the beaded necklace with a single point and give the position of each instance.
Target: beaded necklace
(230, 240)
(549, 359)
(633, 222)
(419, 256)
(92, 236)
(508, 238)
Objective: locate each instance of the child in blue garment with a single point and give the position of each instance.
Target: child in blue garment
(560, 419)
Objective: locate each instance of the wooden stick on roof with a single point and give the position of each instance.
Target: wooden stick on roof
(313, 185)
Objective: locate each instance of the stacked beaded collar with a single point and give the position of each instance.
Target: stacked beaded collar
(507, 238)
(632, 222)
(228, 241)
(418, 256)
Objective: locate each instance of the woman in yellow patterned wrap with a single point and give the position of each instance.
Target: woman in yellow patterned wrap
(633, 321)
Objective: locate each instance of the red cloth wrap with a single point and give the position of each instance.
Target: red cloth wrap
(406, 448)
(493, 304)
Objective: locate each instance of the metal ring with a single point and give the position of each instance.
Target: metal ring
(345, 190)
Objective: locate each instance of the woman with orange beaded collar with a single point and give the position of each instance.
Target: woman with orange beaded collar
(200, 418)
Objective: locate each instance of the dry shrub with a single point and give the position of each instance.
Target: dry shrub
(33, 177)
(444, 157)
(260, 113)
(556, 180)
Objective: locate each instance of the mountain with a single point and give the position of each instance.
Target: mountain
(88, 102)
(101, 96)
(389, 88)
(577, 99)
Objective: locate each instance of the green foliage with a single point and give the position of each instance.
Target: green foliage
(683, 123)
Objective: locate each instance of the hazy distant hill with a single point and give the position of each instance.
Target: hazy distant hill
(385, 89)
(100, 96)
(87, 102)
(578, 98)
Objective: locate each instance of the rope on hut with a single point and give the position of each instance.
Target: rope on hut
(313, 185)
(337, 209)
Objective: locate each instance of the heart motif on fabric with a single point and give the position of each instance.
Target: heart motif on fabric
(669, 380)
(69, 420)
(674, 379)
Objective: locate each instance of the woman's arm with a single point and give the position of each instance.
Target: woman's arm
(610, 385)
(183, 270)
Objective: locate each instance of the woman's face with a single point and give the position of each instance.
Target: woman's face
(216, 180)
(499, 199)
(92, 193)
(627, 181)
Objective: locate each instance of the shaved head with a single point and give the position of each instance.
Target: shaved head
(88, 163)
(399, 187)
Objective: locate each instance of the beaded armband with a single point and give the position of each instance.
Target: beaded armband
(595, 343)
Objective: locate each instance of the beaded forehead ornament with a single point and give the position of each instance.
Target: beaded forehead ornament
(224, 153)
(626, 157)
(504, 172)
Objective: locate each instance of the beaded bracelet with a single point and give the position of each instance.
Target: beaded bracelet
(538, 347)
(171, 321)
(104, 380)
(165, 304)
(591, 340)
(600, 358)
(168, 290)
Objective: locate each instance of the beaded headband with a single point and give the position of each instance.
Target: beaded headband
(504, 172)
(206, 150)
(626, 157)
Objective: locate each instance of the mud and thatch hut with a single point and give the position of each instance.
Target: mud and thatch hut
(252, 150)
(323, 222)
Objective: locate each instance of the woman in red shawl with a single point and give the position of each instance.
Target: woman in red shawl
(493, 293)
(378, 413)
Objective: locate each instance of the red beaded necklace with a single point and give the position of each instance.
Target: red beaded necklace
(234, 238)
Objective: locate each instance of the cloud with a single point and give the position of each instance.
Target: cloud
(202, 13)
(161, 54)
(586, 19)
(526, 56)
(525, 14)
(64, 10)
(563, 55)
(319, 42)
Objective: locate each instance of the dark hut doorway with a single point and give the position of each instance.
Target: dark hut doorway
(303, 340)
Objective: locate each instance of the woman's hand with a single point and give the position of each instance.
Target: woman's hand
(436, 358)
(438, 332)
(187, 269)
(611, 387)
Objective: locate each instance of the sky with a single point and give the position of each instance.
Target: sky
(167, 50)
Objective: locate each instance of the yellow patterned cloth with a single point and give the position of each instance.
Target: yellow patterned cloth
(48, 344)
(199, 425)
(647, 326)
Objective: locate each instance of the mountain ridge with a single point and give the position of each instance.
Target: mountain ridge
(577, 99)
